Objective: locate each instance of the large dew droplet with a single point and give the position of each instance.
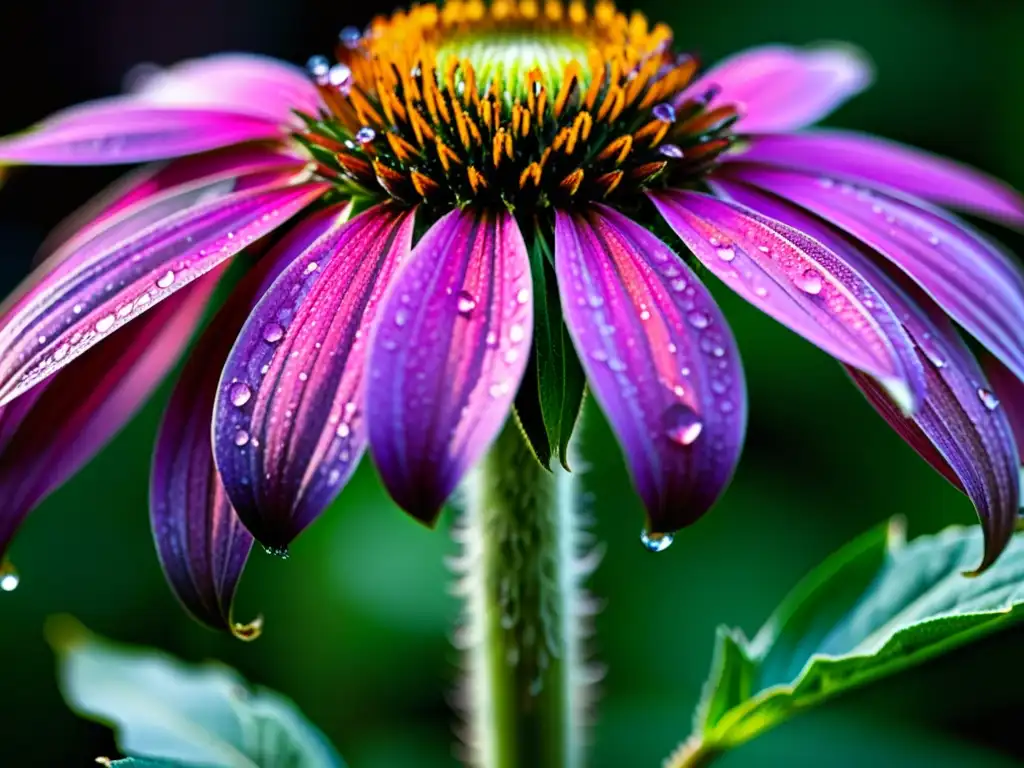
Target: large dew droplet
(682, 425)
(239, 393)
(465, 303)
(656, 542)
(272, 333)
(988, 399)
(809, 281)
(9, 579)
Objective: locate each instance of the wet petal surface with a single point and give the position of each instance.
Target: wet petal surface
(659, 357)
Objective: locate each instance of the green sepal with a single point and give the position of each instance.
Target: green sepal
(549, 400)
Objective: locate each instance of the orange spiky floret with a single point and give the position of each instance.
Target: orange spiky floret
(594, 107)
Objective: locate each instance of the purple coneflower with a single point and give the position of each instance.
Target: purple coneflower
(453, 219)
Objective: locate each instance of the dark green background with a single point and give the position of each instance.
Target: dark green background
(357, 621)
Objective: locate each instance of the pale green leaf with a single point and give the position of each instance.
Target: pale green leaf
(166, 711)
(875, 608)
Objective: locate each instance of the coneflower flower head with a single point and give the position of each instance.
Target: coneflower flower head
(465, 200)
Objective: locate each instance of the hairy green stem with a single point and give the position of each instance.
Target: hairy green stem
(692, 753)
(521, 576)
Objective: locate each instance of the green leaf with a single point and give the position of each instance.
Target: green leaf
(166, 712)
(874, 608)
(549, 400)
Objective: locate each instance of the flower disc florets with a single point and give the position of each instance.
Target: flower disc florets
(524, 104)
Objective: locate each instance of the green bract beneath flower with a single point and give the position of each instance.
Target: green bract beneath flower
(512, 104)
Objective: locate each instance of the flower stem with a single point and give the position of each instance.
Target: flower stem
(521, 583)
(693, 753)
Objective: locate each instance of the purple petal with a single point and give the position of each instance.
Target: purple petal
(289, 428)
(803, 285)
(86, 299)
(659, 358)
(448, 354)
(241, 83)
(874, 161)
(781, 89)
(957, 429)
(57, 429)
(971, 279)
(121, 131)
(1009, 391)
(202, 543)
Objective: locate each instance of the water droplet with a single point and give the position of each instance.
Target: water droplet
(465, 303)
(344, 430)
(595, 301)
(239, 393)
(523, 296)
(656, 542)
(281, 552)
(272, 333)
(670, 150)
(365, 135)
(241, 438)
(809, 282)
(698, 319)
(350, 37)
(165, 280)
(340, 77)
(516, 333)
(988, 398)
(726, 254)
(682, 426)
(401, 317)
(104, 324)
(312, 267)
(664, 112)
(318, 68)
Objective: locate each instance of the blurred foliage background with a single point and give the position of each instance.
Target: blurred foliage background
(358, 620)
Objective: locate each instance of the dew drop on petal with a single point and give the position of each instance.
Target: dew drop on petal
(401, 317)
(465, 303)
(318, 67)
(165, 280)
(664, 112)
(350, 37)
(698, 319)
(670, 150)
(726, 254)
(516, 333)
(682, 425)
(340, 77)
(239, 393)
(809, 281)
(988, 399)
(104, 324)
(241, 438)
(272, 333)
(365, 135)
(656, 542)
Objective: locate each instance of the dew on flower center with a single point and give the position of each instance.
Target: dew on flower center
(527, 104)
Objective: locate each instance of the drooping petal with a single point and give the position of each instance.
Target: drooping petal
(243, 83)
(121, 131)
(76, 412)
(970, 278)
(778, 88)
(957, 429)
(448, 354)
(800, 283)
(289, 427)
(86, 299)
(202, 543)
(659, 357)
(874, 161)
(1009, 391)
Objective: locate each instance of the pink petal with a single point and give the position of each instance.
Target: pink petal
(243, 83)
(659, 357)
(121, 131)
(202, 543)
(778, 88)
(289, 429)
(957, 429)
(75, 413)
(448, 354)
(972, 280)
(876, 162)
(86, 299)
(803, 285)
